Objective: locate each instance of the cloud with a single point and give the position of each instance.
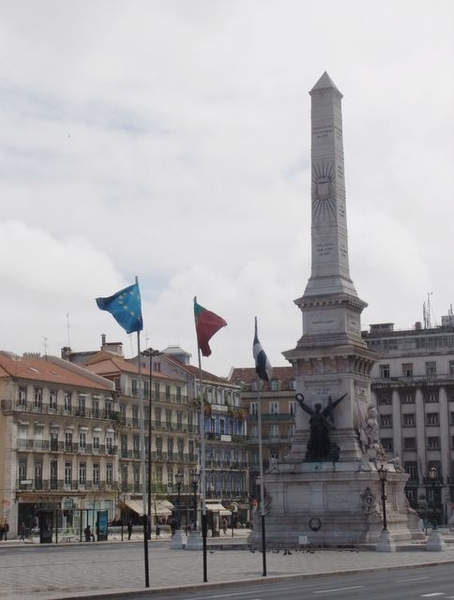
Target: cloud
(171, 140)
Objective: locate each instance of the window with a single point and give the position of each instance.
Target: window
(159, 447)
(386, 420)
(274, 385)
(409, 443)
(22, 469)
(53, 399)
(134, 388)
(95, 473)
(168, 393)
(451, 368)
(178, 394)
(451, 417)
(95, 441)
(135, 416)
(82, 440)
(136, 446)
(68, 441)
(291, 432)
(168, 419)
(384, 398)
(407, 369)
(412, 469)
(274, 408)
(136, 476)
(387, 444)
(95, 404)
(170, 448)
(253, 408)
(117, 383)
(109, 445)
(109, 473)
(431, 395)
(409, 420)
(22, 396)
(431, 368)
(407, 397)
(82, 473)
(179, 420)
(82, 399)
(180, 445)
(432, 419)
(274, 432)
(54, 441)
(292, 407)
(433, 443)
(109, 408)
(292, 384)
(384, 371)
(53, 474)
(68, 473)
(254, 432)
(38, 398)
(68, 401)
(158, 417)
(191, 450)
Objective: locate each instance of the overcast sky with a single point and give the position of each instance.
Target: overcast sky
(171, 140)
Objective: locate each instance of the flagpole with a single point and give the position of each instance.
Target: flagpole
(262, 482)
(203, 470)
(142, 464)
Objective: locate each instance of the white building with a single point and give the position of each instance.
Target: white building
(413, 389)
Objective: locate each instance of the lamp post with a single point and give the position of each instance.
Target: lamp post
(150, 353)
(195, 482)
(179, 480)
(383, 475)
(234, 512)
(433, 476)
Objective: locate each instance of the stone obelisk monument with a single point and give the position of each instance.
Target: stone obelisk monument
(326, 491)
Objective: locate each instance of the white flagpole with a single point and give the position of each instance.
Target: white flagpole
(262, 481)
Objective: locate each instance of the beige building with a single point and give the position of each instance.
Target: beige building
(277, 399)
(58, 448)
(413, 389)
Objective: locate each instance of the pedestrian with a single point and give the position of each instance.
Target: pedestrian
(2, 531)
(22, 531)
(224, 525)
(173, 526)
(88, 534)
(5, 530)
(129, 528)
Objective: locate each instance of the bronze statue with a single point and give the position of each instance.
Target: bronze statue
(321, 423)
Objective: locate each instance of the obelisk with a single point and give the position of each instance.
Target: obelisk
(326, 491)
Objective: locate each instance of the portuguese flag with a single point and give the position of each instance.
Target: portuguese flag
(207, 323)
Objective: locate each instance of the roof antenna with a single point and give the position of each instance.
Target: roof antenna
(68, 327)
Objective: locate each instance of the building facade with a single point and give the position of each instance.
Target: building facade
(58, 448)
(277, 399)
(413, 389)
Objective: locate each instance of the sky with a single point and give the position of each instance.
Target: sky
(170, 140)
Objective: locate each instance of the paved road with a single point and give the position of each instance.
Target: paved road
(50, 572)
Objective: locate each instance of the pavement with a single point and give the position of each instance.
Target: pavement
(108, 569)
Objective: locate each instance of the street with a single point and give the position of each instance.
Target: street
(48, 572)
(400, 584)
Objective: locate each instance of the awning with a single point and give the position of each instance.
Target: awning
(135, 506)
(159, 509)
(218, 508)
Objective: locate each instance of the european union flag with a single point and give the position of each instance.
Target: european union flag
(125, 307)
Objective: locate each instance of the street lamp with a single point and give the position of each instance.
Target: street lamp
(433, 476)
(195, 482)
(383, 475)
(150, 353)
(234, 512)
(179, 480)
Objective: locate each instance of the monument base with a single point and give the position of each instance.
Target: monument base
(195, 541)
(333, 506)
(178, 540)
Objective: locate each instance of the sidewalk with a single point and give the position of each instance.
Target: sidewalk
(47, 572)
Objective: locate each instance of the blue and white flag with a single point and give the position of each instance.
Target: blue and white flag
(263, 366)
(126, 308)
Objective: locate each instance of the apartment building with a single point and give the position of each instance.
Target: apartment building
(277, 399)
(225, 433)
(58, 448)
(413, 389)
